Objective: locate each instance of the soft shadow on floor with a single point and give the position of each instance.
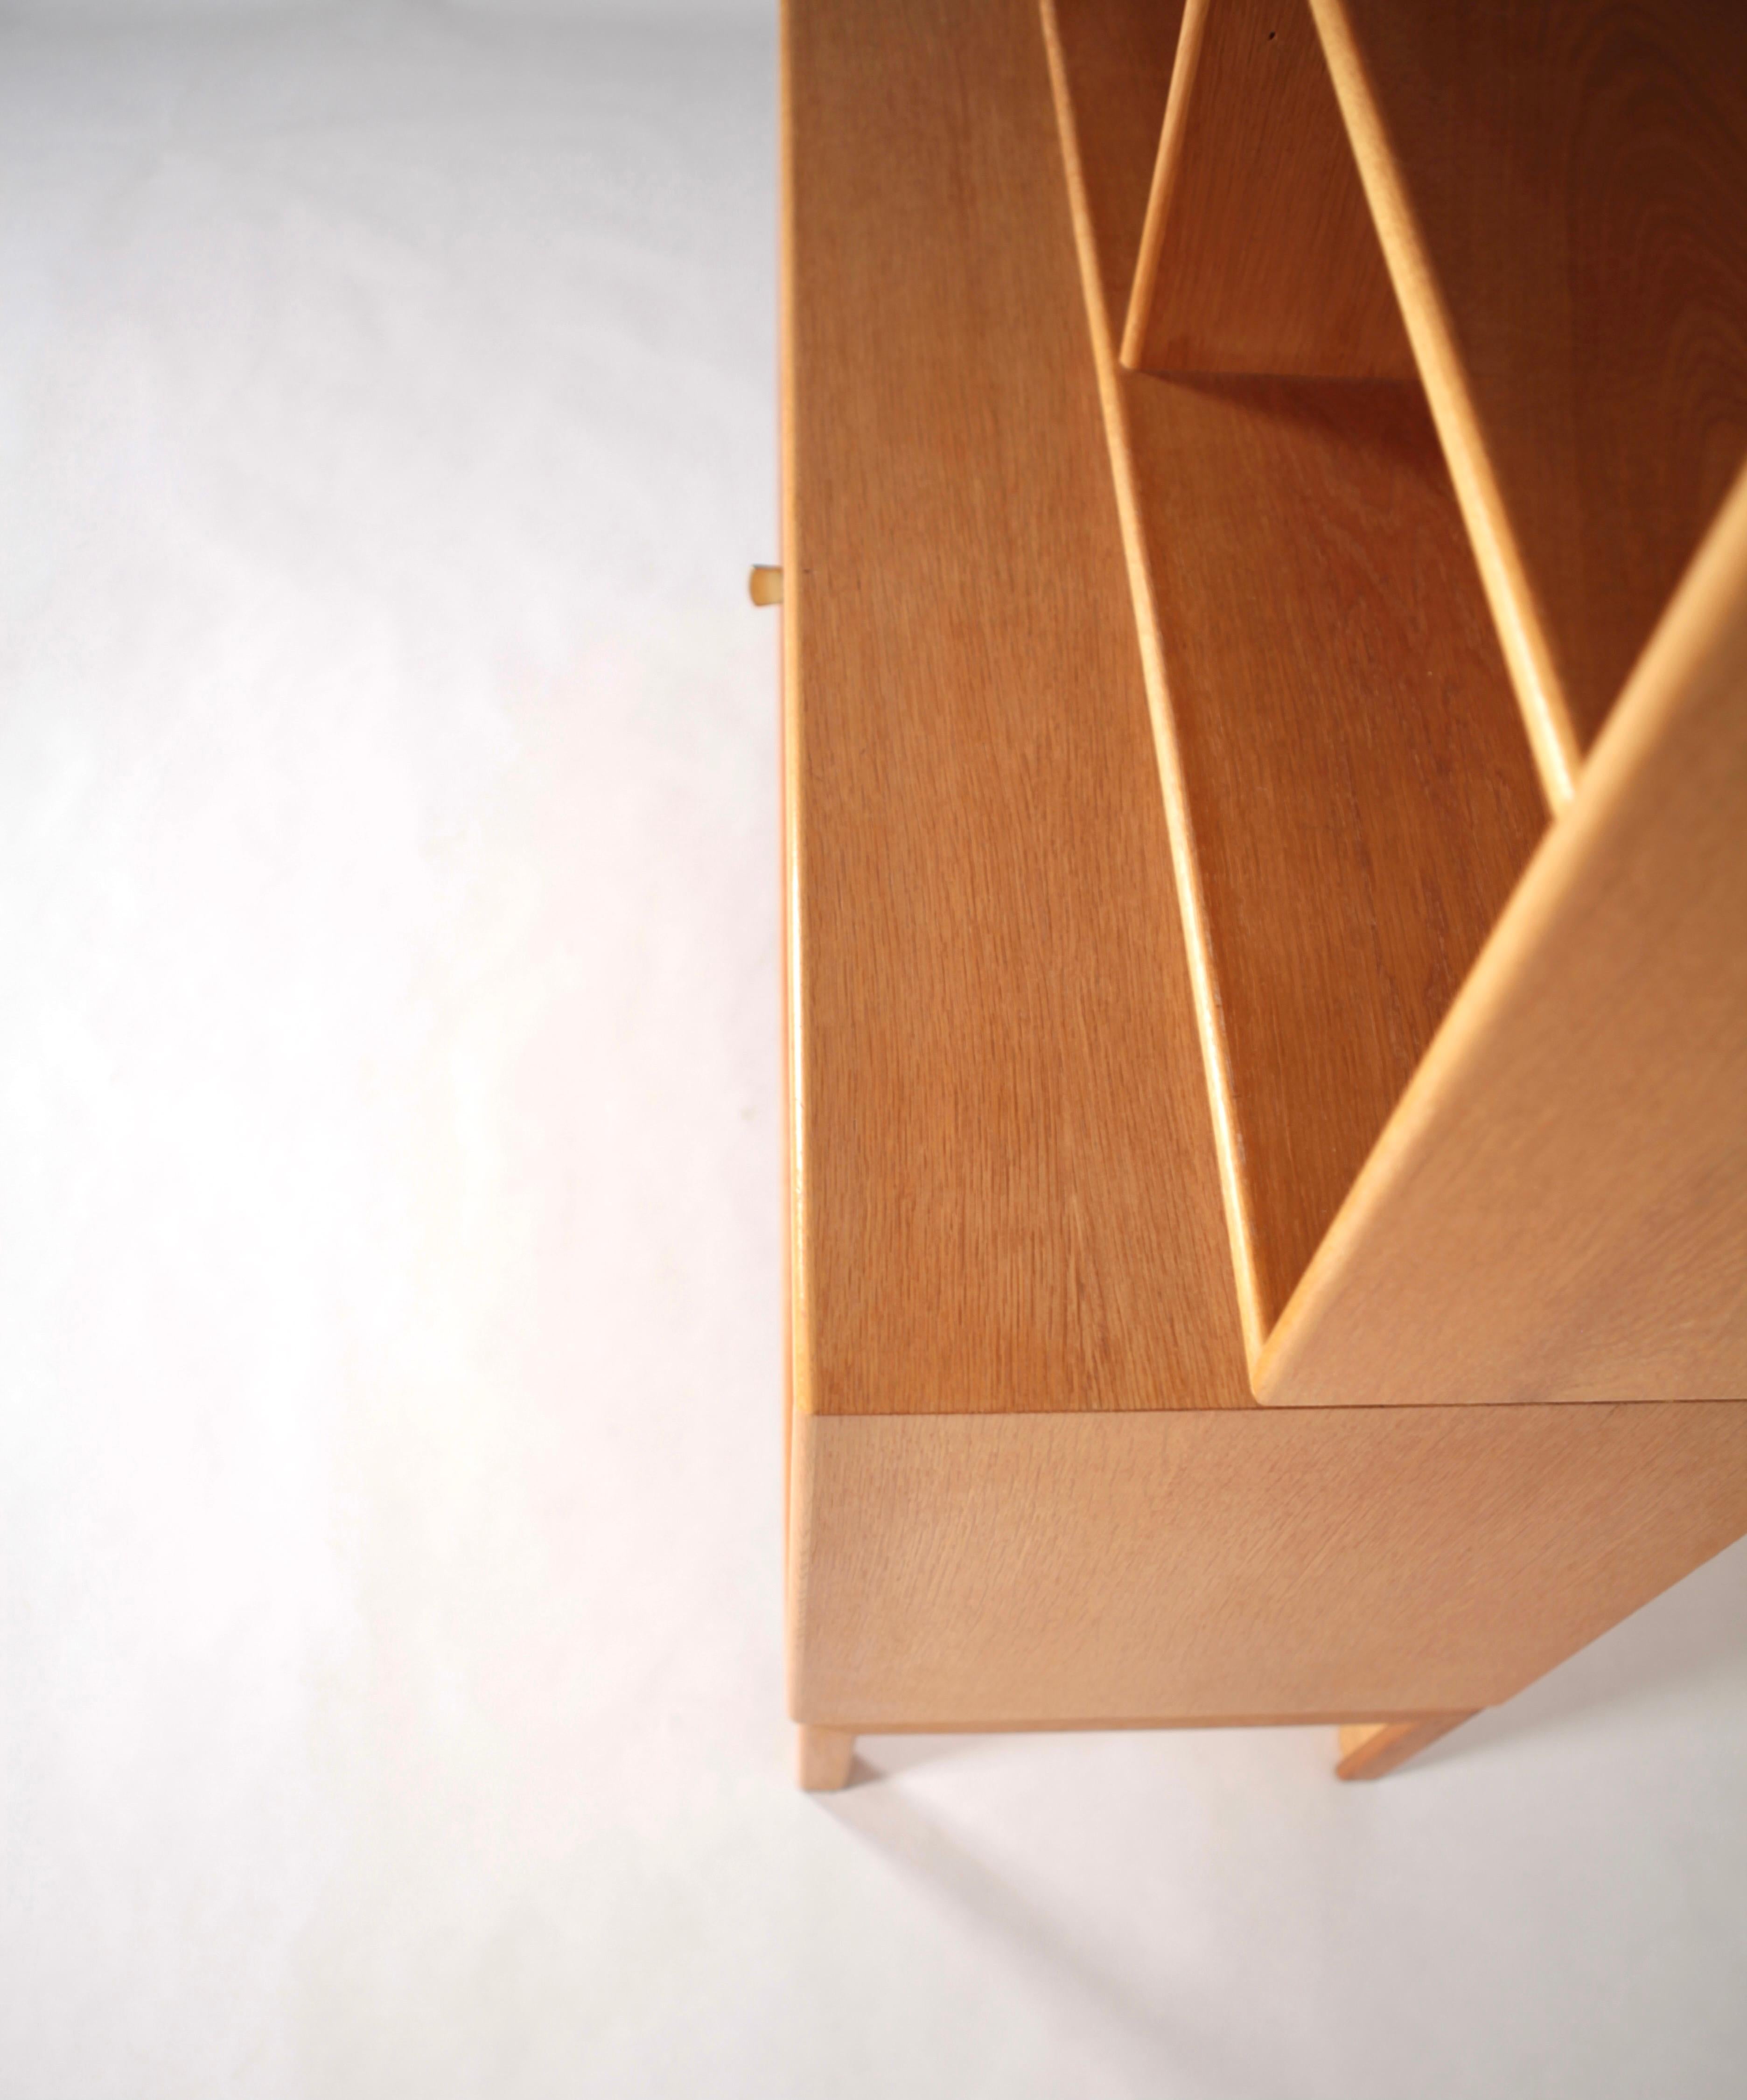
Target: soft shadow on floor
(888, 1819)
(884, 1756)
(1693, 1631)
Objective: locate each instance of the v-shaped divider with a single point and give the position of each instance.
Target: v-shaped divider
(1553, 1199)
(1350, 793)
(1561, 195)
(1559, 200)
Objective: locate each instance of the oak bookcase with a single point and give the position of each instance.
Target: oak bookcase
(1264, 613)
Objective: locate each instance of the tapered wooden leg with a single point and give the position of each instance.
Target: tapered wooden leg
(1372, 1749)
(822, 1757)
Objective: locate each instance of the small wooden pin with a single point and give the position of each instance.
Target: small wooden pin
(765, 586)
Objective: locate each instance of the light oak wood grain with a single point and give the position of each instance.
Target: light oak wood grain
(1559, 1208)
(1340, 1564)
(1350, 793)
(1374, 1750)
(1259, 255)
(1561, 192)
(1003, 1187)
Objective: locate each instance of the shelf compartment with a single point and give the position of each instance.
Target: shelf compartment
(1350, 795)
(1258, 254)
(1559, 1208)
(1561, 194)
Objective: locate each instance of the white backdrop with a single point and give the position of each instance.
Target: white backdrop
(745, 14)
(389, 1373)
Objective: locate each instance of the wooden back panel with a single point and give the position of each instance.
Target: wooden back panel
(1260, 255)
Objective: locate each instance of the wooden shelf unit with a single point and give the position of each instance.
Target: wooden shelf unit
(1224, 1224)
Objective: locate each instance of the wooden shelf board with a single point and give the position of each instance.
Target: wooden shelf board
(1562, 197)
(1005, 1194)
(1351, 795)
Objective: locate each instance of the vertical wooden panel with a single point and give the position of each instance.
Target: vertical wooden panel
(1260, 255)
(1559, 1208)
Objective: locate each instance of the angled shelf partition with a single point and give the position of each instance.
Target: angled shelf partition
(1340, 575)
(1349, 789)
(1559, 191)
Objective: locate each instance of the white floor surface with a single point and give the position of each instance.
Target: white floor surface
(390, 1700)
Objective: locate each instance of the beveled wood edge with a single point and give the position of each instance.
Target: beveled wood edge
(1171, 139)
(796, 1296)
(1185, 861)
(1519, 616)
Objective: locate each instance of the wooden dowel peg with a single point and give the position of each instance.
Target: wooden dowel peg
(765, 586)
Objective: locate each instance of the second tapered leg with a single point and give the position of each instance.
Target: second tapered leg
(1370, 1750)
